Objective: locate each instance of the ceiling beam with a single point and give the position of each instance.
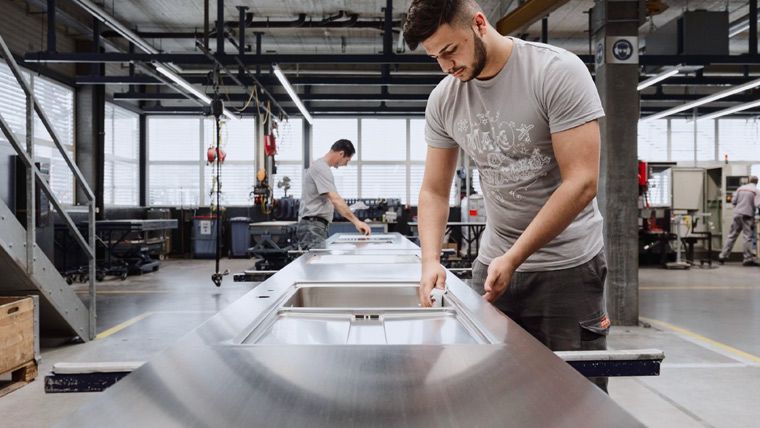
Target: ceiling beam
(271, 81)
(526, 15)
(251, 59)
(283, 97)
(227, 60)
(315, 111)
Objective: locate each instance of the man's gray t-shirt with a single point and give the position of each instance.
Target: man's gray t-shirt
(505, 124)
(317, 181)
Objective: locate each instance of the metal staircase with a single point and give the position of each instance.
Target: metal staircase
(24, 268)
(62, 313)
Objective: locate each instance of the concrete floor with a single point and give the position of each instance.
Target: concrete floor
(705, 320)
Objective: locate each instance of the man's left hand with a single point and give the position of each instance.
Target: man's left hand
(363, 228)
(499, 273)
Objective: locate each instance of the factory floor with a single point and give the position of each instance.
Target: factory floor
(705, 320)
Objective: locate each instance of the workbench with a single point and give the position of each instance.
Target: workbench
(336, 338)
(127, 245)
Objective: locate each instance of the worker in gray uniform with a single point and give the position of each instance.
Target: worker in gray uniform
(745, 200)
(320, 198)
(527, 114)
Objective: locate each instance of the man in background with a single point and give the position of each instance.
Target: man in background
(320, 198)
(746, 199)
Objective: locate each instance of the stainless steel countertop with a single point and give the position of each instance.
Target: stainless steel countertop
(211, 379)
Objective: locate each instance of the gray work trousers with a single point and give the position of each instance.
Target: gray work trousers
(311, 234)
(564, 309)
(741, 223)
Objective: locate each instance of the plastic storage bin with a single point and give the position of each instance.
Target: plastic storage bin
(204, 237)
(240, 236)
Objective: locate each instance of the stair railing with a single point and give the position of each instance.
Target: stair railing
(34, 176)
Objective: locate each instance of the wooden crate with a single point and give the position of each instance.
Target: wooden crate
(17, 341)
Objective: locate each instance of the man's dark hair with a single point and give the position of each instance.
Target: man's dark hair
(425, 16)
(345, 146)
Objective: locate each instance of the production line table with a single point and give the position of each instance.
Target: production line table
(121, 255)
(336, 338)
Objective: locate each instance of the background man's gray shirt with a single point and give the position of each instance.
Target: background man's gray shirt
(317, 182)
(746, 199)
(505, 124)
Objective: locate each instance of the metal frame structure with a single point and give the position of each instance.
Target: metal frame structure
(34, 177)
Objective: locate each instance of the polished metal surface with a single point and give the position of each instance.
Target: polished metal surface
(363, 259)
(351, 241)
(326, 345)
(271, 225)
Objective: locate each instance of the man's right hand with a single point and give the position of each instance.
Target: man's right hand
(433, 276)
(363, 228)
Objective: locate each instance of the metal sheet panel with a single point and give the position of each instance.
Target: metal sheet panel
(211, 378)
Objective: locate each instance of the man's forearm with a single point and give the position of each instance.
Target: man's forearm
(558, 213)
(432, 213)
(342, 208)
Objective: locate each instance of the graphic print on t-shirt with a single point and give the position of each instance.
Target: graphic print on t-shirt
(505, 158)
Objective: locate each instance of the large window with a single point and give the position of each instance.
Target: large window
(58, 103)
(289, 158)
(653, 140)
(669, 140)
(121, 181)
(683, 141)
(390, 159)
(179, 174)
(738, 139)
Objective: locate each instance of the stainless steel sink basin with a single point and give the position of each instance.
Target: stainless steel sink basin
(363, 314)
(354, 296)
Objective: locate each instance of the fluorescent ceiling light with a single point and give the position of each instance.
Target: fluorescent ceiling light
(183, 83)
(229, 114)
(658, 78)
(702, 101)
(101, 14)
(292, 93)
(730, 110)
(733, 31)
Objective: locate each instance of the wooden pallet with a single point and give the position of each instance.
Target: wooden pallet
(20, 376)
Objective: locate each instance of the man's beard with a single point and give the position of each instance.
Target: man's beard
(480, 57)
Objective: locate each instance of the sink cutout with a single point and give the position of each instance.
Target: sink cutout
(355, 297)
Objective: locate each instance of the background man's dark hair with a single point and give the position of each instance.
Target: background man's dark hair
(425, 16)
(344, 145)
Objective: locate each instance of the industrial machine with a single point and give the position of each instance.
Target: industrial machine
(337, 338)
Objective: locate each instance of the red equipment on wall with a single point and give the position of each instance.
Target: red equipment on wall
(211, 154)
(270, 147)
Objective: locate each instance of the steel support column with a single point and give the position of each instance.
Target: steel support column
(143, 174)
(220, 27)
(618, 186)
(753, 27)
(241, 37)
(51, 25)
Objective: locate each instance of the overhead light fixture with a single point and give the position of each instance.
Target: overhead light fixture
(189, 88)
(708, 99)
(183, 83)
(292, 93)
(730, 110)
(658, 78)
(738, 29)
(101, 14)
